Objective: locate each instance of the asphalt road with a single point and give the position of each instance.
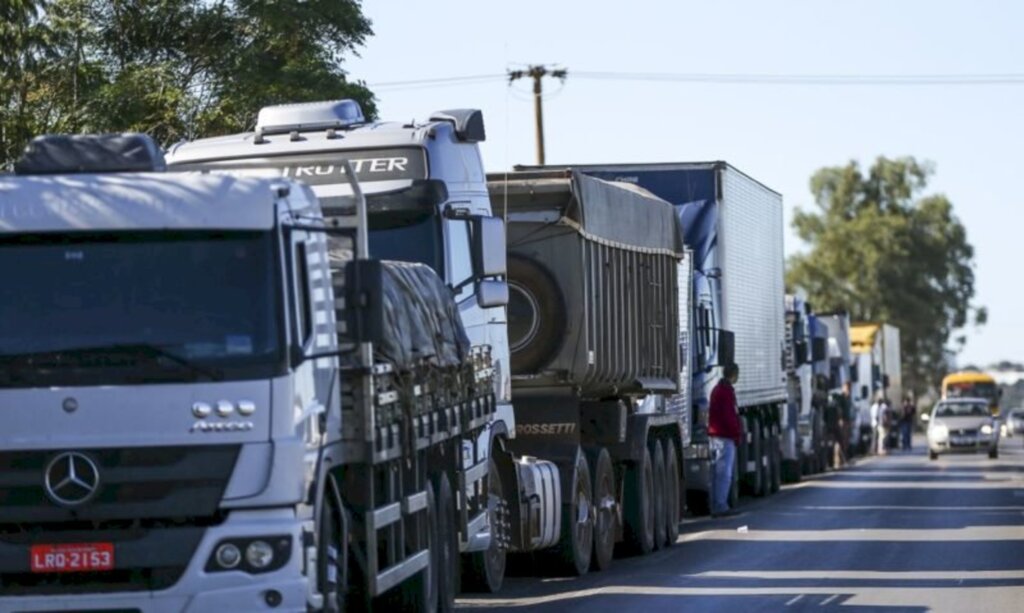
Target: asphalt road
(893, 533)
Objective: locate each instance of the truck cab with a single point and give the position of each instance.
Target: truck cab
(159, 432)
(425, 188)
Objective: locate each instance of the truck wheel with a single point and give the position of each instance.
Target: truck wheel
(332, 559)
(605, 513)
(775, 461)
(447, 546)
(485, 570)
(420, 593)
(673, 482)
(639, 503)
(577, 542)
(658, 456)
(536, 315)
(757, 477)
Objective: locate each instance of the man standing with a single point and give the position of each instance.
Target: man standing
(724, 425)
(907, 422)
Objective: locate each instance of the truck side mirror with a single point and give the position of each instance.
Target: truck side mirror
(864, 392)
(726, 347)
(364, 285)
(885, 382)
(488, 246)
(854, 375)
(490, 293)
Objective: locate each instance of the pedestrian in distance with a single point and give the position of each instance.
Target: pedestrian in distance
(884, 422)
(876, 424)
(909, 411)
(724, 427)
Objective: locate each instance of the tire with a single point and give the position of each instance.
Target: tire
(575, 547)
(932, 455)
(605, 513)
(638, 499)
(757, 479)
(791, 471)
(447, 546)
(775, 462)
(673, 485)
(485, 570)
(536, 315)
(993, 455)
(658, 456)
(420, 593)
(332, 557)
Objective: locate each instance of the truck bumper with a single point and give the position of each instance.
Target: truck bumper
(198, 590)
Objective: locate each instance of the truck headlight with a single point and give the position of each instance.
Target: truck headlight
(228, 555)
(259, 554)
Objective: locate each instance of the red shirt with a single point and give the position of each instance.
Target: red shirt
(723, 418)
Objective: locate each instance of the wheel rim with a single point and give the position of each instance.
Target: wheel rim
(584, 528)
(605, 516)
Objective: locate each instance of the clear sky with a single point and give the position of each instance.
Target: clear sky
(780, 134)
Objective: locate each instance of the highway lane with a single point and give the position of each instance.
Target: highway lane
(893, 533)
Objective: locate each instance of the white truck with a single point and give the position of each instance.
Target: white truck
(215, 401)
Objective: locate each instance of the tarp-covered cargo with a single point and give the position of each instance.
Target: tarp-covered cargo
(593, 269)
(421, 319)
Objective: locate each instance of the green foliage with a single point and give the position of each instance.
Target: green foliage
(176, 69)
(884, 252)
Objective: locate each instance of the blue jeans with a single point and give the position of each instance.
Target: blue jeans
(905, 434)
(723, 476)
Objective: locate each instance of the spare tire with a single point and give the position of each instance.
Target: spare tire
(536, 315)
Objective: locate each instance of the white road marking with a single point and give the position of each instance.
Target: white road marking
(794, 600)
(969, 533)
(829, 599)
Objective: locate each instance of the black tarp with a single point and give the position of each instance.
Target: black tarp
(421, 319)
(62, 153)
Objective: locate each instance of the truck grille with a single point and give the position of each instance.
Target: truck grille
(153, 504)
(139, 483)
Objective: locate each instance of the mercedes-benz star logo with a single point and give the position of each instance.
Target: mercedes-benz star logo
(72, 479)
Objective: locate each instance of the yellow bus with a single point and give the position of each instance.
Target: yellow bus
(971, 384)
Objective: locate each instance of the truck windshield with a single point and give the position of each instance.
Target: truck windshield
(407, 238)
(108, 309)
(977, 389)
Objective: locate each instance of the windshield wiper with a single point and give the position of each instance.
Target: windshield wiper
(60, 357)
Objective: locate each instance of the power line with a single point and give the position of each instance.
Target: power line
(978, 79)
(810, 79)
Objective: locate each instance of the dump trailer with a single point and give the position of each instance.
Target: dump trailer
(599, 285)
(218, 402)
(733, 226)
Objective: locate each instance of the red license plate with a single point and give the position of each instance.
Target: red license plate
(72, 557)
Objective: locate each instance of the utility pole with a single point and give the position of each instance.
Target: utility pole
(537, 73)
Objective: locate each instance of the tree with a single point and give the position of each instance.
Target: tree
(884, 252)
(176, 69)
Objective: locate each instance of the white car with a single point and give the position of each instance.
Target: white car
(962, 425)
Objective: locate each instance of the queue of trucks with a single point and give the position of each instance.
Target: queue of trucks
(333, 364)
